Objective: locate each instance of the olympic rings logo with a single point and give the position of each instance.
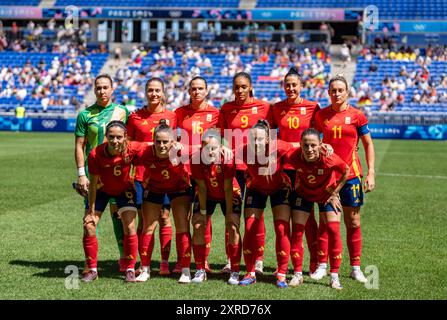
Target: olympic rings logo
(49, 124)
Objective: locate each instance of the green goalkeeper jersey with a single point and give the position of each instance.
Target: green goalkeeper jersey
(92, 121)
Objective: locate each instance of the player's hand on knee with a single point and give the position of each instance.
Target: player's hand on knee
(334, 200)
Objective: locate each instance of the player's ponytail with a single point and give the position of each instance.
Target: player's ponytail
(164, 127)
(293, 72)
(263, 125)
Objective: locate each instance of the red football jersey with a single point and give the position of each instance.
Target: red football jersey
(266, 178)
(340, 131)
(161, 175)
(195, 122)
(113, 171)
(141, 124)
(244, 117)
(292, 119)
(214, 176)
(315, 181)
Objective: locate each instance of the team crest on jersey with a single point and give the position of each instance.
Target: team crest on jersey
(218, 169)
(320, 171)
(254, 110)
(348, 120)
(303, 110)
(126, 160)
(209, 117)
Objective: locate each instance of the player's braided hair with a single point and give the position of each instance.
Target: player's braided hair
(246, 76)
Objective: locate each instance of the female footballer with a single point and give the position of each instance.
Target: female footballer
(141, 126)
(240, 115)
(342, 126)
(164, 174)
(214, 176)
(319, 179)
(109, 169)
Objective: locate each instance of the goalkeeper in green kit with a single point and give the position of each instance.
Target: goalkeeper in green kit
(90, 132)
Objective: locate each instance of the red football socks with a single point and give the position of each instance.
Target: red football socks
(146, 247)
(282, 231)
(354, 241)
(183, 242)
(130, 250)
(90, 244)
(165, 235)
(250, 243)
(311, 232)
(199, 255)
(208, 236)
(234, 253)
(260, 239)
(296, 247)
(322, 242)
(335, 245)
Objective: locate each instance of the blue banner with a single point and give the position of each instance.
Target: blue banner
(44, 124)
(424, 26)
(390, 131)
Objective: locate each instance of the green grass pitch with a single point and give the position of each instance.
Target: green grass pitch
(404, 232)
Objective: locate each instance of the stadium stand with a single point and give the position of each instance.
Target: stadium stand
(405, 80)
(266, 68)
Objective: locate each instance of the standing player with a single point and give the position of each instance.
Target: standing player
(292, 116)
(193, 120)
(90, 132)
(141, 126)
(240, 115)
(109, 169)
(342, 125)
(264, 157)
(165, 174)
(214, 176)
(319, 178)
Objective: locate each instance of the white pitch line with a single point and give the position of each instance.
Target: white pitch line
(410, 175)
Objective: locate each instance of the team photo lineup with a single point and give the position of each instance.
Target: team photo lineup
(139, 172)
(223, 150)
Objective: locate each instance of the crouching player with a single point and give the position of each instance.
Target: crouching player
(109, 166)
(165, 174)
(264, 157)
(319, 178)
(215, 177)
